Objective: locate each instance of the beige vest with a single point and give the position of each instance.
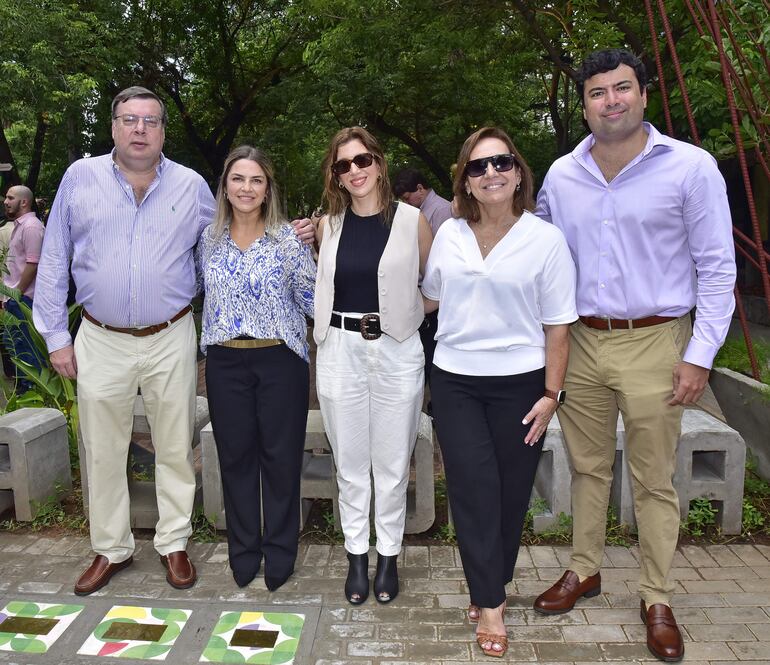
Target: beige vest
(401, 310)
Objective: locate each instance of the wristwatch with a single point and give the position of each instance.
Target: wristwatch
(559, 395)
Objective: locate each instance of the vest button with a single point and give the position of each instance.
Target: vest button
(383, 292)
(380, 273)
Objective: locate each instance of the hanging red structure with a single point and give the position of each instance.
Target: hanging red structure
(715, 22)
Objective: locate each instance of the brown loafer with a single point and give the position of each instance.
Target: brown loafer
(98, 574)
(663, 637)
(563, 595)
(180, 570)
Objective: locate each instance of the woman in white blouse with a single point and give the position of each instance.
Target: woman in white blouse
(259, 280)
(506, 283)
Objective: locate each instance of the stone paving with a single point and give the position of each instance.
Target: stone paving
(722, 603)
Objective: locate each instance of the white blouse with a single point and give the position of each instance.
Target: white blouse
(492, 310)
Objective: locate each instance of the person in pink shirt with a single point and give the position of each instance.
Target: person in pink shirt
(21, 262)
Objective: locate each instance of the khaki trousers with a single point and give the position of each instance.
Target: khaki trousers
(112, 367)
(628, 371)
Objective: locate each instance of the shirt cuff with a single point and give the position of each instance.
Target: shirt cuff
(57, 340)
(699, 353)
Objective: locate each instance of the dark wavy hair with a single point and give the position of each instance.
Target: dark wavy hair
(467, 206)
(605, 60)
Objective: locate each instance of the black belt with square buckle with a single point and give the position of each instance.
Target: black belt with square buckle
(368, 325)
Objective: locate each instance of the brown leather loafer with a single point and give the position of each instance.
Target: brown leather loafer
(663, 637)
(563, 595)
(98, 574)
(180, 570)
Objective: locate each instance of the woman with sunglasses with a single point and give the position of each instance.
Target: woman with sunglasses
(259, 279)
(369, 372)
(506, 283)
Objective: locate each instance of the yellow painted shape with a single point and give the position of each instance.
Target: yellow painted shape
(251, 617)
(126, 612)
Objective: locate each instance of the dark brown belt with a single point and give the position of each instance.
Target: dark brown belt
(140, 332)
(598, 323)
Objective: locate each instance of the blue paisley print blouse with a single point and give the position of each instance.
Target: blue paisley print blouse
(264, 291)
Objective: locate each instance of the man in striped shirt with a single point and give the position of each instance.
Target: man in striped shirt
(128, 222)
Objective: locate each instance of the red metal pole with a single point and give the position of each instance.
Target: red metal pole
(659, 67)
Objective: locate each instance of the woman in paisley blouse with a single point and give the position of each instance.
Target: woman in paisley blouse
(259, 280)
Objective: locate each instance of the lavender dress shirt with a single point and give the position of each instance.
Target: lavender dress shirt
(657, 239)
(436, 210)
(133, 265)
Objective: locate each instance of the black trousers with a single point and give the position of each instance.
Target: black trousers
(489, 470)
(258, 402)
(427, 331)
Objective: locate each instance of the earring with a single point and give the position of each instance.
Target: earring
(340, 185)
(468, 192)
(518, 186)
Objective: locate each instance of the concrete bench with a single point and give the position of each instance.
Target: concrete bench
(319, 480)
(144, 505)
(711, 459)
(34, 460)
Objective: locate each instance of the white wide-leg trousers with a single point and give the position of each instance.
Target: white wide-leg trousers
(370, 393)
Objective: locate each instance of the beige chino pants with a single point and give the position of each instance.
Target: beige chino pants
(112, 367)
(626, 371)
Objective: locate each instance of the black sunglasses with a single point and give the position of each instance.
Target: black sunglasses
(478, 167)
(361, 161)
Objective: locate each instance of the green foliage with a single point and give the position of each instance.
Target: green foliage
(617, 533)
(51, 514)
(49, 388)
(447, 534)
(735, 356)
(204, 527)
(700, 517)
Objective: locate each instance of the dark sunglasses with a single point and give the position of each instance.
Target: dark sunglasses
(478, 167)
(361, 161)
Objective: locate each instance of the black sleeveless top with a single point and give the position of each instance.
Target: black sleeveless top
(360, 248)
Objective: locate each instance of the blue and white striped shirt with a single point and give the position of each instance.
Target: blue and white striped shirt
(264, 291)
(133, 265)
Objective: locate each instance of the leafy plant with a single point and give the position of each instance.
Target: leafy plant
(204, 527)
(617, 533)
(446, 533)
(51, 514)
(702, 514)
(50, 389)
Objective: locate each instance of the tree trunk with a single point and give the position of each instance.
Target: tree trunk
(37, 152)
(11, 177)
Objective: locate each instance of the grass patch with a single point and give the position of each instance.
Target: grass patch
(735, 356)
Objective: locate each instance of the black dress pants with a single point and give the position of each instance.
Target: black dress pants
(489, 470)
(258, 401)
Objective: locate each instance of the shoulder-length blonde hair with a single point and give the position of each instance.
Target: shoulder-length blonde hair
(337, 198)
(467, 206)
(271, 212)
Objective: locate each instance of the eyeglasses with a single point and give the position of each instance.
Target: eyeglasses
(478, 167)
(342, 166)
(131, 120)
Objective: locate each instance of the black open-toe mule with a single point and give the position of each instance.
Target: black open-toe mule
(357, 582)
(386, 578)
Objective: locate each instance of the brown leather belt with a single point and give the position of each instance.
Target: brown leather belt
(140, 332)
(598, 323)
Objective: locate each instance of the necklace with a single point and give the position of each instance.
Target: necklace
(488, 238)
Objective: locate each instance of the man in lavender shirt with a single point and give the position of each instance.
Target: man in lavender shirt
(128, 221)
(648, 224)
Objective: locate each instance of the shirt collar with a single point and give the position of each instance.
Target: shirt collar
(23, 218)
(162, 163)
(582, 152)
(428, 198)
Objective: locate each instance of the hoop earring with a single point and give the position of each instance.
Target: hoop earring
(340, 185)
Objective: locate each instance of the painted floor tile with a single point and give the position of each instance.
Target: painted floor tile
(267, 638)
(27, 627)
(136, 632)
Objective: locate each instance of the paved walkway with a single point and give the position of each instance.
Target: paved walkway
(722, 603)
